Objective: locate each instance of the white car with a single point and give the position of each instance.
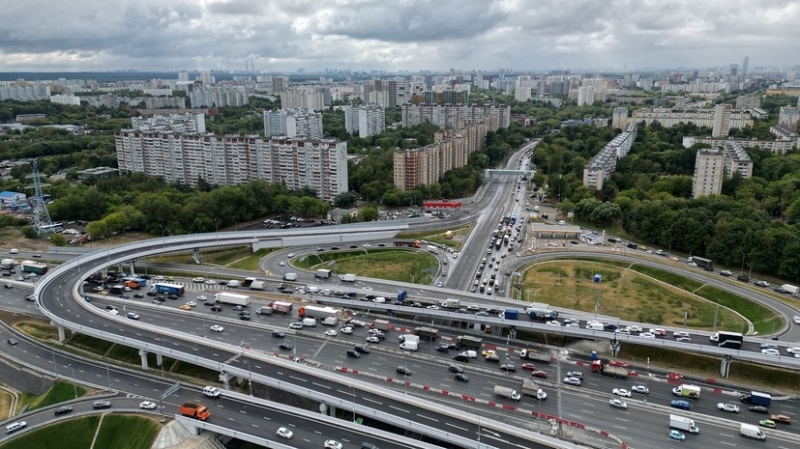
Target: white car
(796, 319)
(621, 392)
(282, 263)
(217, 328)
(634, 328)
(113, 312)
(366, 245)
(623, 330)
(211, 392)
(290, 255)
(770, 351)
(331, 333)
(794, 350)
(455, 255)
(728, 407)
(13, 251)
(158, 278)
(199, 280)
(618, 403)
(573, 381)
(683, 339)
(283, 432)
(332, 444)
(658, 331)
(347, 330)
(649, 335)
(640, 389)
(211, 282)
(433, 307)
(358, 323)
(578, 325)
(678, 334)
(554, 323)
(147, 405)
(373, 339)
(202, 298)
(191, 303)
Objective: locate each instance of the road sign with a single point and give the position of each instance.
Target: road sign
(175, 387)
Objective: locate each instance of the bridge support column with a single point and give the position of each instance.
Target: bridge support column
(159, 359)
(327, 409)
(62, 333)
(725, 366)
(133, 266)
(225, 378)
(143, 355)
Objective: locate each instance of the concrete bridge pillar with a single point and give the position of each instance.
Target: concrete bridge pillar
(143, 355)
(159, 359)
(62, 333)
(225, 378)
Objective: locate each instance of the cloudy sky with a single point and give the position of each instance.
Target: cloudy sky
(280, 35)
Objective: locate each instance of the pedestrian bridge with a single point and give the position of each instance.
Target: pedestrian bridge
(488, 173)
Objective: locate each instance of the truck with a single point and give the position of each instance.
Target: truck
(349, 277)
(468, 342)
(409, 342)
(511, 314)
(451, 303)
(290, 277)
(535, 355)
(751, 431)
(330, 321)
(402, 295)
(169, 289)
(281, 306)
(194, 410)
(233, 299)
(322, 274)
(541, 314)
(790, 288)
(432, 249)
(248, 281)
(598, 367)
(132, 284)
(756, 398)
(687, 391)
(116, 289)
(6, 264)
(427, 333)
(506, 392)
(701, 262)
(380, 324)
(34, 267)
(317, 312)
(533, 390)
(408, 243)
(257, 285)
(727, 339)
(683, 423)
(265, 310)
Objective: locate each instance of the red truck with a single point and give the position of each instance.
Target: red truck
(281, 306)
(194, 410)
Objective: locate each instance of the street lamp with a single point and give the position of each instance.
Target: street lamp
(646, 380)
(74, 386)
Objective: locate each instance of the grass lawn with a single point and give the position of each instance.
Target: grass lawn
(127, 432)
(456, 242)
(5, 405)
(61, 391)
(622, 293)
(38, 331)
(71, 434)
(393, 264)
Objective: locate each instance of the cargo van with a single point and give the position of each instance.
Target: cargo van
(309, 322)
(751, 431)
(379, 299)
(234, 284)
(595, 326)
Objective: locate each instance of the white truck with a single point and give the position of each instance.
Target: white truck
(790, 288)
(751, 431)
(506, 392)
(257, 285)
(349, 277)
(433, 250)
(409, 342)
(683, 423)
(290, 277)
(323, 274)
(233, 299)
(330, 321)
(451, 303)
(6, 264)
(687, 391)
(532, 389)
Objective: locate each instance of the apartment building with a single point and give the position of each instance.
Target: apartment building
(219, 97)
(293, 123)
(387, 93)
(497, 116)
(365, 120)
(303, 98)
(714, 164)
(722, 118)
(605, 162)
(28, 92)
(233, 160)
(781, 145)
(788, 117)
(189, 123)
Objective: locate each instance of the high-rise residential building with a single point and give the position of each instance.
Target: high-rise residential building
(745, 63)
(605, 162)
(365, 120)
(667, 117)
(280, 83)
(206, 77)
(183, 76)
(496, 116)
(233, 160)
(224, 96)
(712, 165)
(303, 98)
(66, 99)
(788, 117)
(748, 102)
(619, 117)
(522, 93)
(293, 123)
(29, 92)
(189, 123)
(387, 93)
(722, 120)
(585, 95)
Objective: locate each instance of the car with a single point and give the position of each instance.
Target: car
(758, 409)
(461, 377)
(244, 317)
(201, 298)
(147, 405)
(331, 333)
(216, 308)
(211, 392)
(488, 352)
(764, 284)
(725, 273)
(770, 351)
(683, 340)
(186, 307)
(158, 278)
(238, 308)
(528, 366)
(16, 426)
(13, 251)
(783, 419)
(554, 323)
(210, 282)
(796, 319)
(621, 392)
(676, 435)
(743, 278)
(285, 347)
(138, 295)
(455, 369)
(97, 289)
(438, 284)
(37, 256)
(278, 334)
(649, 335)
(623, 330)
(63, 410)
(283, 432)
(577, 374)
(199, 280)
(320, 249)
(217, 328)
(675, 376)
(492, 359)
(728, 407)
(99, 405)
(404, 370)
(133, 315)
(508, 367)
(332, 444)
(543, 374)
(296, 325)
(114, 312)
(353, 353)
(767, 423)
(573, 381)
(680, 404)
(433, 306)
(373, 339)
(347, 330)
(362, 349)
(610, 327)
(461, 358)
(12, 342)
(634, 328)
(618, 403)
(618, 363)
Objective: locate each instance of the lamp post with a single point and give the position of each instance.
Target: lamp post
(646, 380)
(74, 386)
(55, 365)
(108, 375)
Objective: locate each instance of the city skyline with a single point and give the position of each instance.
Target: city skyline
(404, 35)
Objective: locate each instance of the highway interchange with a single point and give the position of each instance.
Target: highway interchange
(573, 405)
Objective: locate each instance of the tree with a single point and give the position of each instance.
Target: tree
(369, 213)
(605, 214)
(58, 240)
(346, 200)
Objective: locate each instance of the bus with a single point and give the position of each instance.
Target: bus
(498, 244)
(33, 267)
(55, 227)
(513, 218)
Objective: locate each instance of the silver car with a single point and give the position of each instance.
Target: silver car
(728, 407)
(573, 381)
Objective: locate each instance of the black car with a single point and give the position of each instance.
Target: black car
(743, 278)
(443, 348)
(353, 353)
(353, 246)
(455, 369)
(98, 405)
(278, 334)
(151, 293)
(610, 327)
(508, 367)
(461, 358)
(461, 377)
(758, 409)
(244, 317)
(216, 309)
(492, 359)
(63, 410)
(334, 248)
(285, 347)
(209, 303)
(138, 295)
(363, 349)
(404, 370)
(12, 342)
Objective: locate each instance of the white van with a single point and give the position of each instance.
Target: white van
(379, 299)
(309, 322)
(751, 431)
(13, 427)
(234, 284)
(595, 326)
(313, 290)
(211, 392)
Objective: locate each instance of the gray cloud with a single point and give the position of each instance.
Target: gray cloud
(395, 34)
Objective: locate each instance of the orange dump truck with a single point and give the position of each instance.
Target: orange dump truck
(194, 410)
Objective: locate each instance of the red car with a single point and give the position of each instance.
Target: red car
(675, 376)
(528, 366)
(539, 374)
(619, 363)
